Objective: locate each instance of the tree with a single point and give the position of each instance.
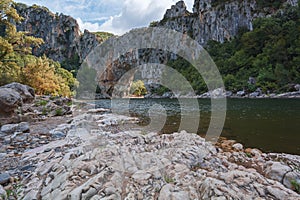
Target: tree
(138, 88)
(18, 64)
(12, 43)
(47, 77)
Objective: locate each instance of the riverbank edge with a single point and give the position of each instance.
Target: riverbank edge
(291, 95)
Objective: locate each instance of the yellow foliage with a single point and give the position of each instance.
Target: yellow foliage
(18, 64)
(41, 74)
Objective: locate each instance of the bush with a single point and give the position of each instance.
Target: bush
(138, 88)
(59, 112)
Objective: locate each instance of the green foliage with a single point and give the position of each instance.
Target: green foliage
(72, 64)
(168, 179)
(296, 185)
(103, 35)
(46, 76)
(59, 112)
(160, 90)
(270, 53)
(271, 3)
(14, 192)
(249, 155)
(138, 88)
(154, 24)
(190, 73)
(45, 111)
(41, 103)
(18, 64)
(13, 44)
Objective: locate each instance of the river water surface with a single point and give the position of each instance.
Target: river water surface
(272, 125)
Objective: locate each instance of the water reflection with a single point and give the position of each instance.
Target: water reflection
(269, 124)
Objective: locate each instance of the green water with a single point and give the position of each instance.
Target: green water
(272, 125)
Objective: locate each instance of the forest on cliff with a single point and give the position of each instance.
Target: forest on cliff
(270, 55)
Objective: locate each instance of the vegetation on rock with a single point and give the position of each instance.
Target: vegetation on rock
(103, 35)
(270, 53)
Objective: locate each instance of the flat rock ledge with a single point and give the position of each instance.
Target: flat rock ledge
(94, 163)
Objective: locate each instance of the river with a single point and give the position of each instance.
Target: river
(272, 125)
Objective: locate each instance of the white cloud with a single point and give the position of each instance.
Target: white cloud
(92, 27)
(87, 10)
(136, 13)
(110, 15)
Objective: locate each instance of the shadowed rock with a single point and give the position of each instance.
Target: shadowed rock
(26, 92)
(9, 101)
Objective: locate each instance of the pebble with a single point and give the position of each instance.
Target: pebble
(237, 147)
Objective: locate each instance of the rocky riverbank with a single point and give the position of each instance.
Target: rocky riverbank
(59, 150)
(97, 155)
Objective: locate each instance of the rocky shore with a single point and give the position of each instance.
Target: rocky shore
(94, 154)
(220, 93)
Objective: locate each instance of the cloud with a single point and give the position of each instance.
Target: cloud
(136, 13)
(92, 27)
(113, 16)
(87, 10)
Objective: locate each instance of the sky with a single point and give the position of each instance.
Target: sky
(115, 16)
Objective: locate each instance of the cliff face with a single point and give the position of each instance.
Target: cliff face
(210, 20)
(218, 20)
(60, 33)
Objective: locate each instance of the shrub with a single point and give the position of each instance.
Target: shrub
(138, 88)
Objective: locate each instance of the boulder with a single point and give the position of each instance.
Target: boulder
(12, 128)
(167, 95)
(219, 92)
(254, 94)
(9, 101)
(13, 96)
(4, 178)
(26, 92)
(229, 94)
(276, 171)
(241, 93)
(297, 87)
(62, 101)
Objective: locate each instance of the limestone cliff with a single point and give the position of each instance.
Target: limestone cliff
(61, 34)
(218, 20)
(210, 20)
